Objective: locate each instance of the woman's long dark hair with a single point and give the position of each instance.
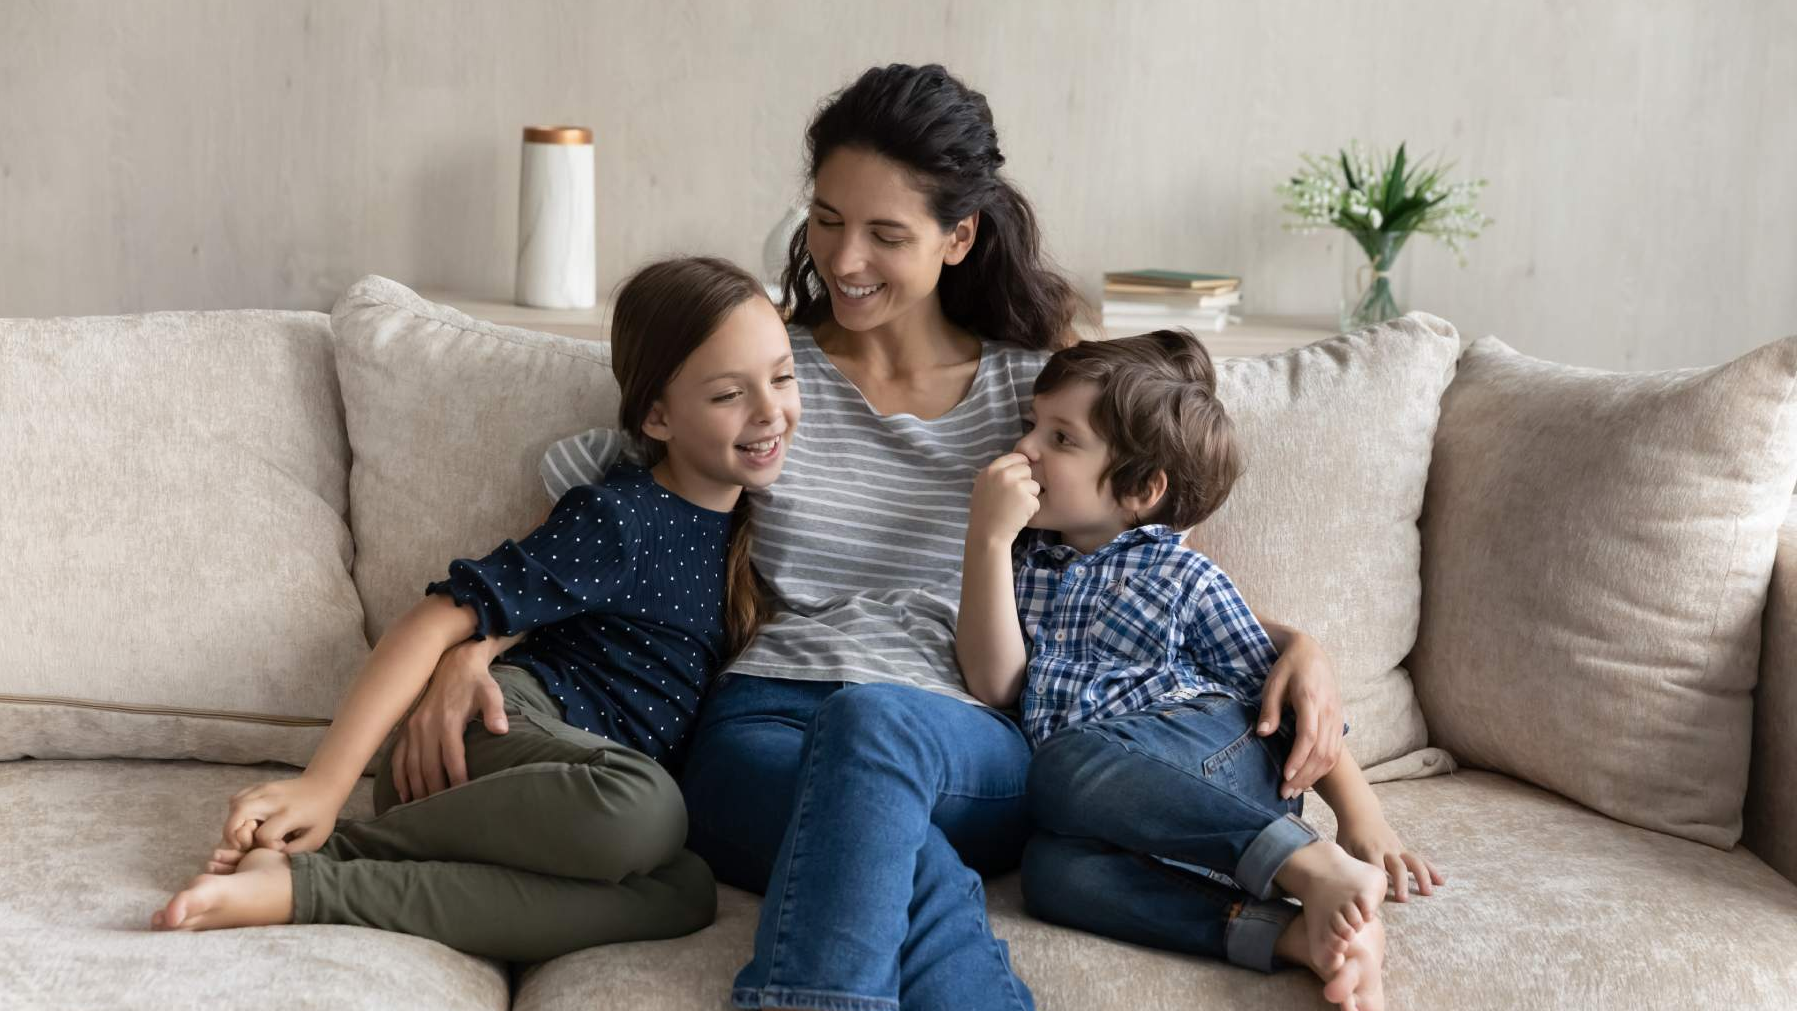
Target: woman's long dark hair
(941, 131)
(660, 317)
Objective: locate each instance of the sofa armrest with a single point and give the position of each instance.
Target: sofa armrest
(1770, 821)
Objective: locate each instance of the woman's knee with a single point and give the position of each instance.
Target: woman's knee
(868, 710)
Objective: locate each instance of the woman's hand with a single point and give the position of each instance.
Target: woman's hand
(1374, 842)
(266, 816)
(1304, 679)
(1005, 496)
(427, 755)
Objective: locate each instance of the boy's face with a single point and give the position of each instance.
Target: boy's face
(1067, 458)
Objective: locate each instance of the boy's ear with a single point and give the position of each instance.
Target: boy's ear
(1150, 498)
(961, 239)
(655, 423)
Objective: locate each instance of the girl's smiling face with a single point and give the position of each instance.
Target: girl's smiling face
(728, 414)
(874, 241)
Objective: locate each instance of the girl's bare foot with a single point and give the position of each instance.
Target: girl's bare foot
(259, 893)
(1353, 972)
(1341, 895)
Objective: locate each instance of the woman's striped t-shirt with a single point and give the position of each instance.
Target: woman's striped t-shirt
(861, 538)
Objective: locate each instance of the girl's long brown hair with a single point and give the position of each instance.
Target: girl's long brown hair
(660, 317)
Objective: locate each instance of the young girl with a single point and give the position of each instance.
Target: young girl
(569, 832)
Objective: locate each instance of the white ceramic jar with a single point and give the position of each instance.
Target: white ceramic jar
(556, 259)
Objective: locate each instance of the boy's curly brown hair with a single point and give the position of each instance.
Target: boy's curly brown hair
(1157, 410)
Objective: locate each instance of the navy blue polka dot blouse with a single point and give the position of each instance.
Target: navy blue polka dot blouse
(623, 586)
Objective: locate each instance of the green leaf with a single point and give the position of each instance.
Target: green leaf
(1411, 214)
(1349, 172)
(1394, 183)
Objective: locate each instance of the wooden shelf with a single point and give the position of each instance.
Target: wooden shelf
(1255, 335)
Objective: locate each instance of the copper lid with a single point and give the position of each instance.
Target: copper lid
(557, 135)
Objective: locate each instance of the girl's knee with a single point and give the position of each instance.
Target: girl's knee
(623, 787)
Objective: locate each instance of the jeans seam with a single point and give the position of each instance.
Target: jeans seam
(808, 1000)
(786, 893)
(978, 911)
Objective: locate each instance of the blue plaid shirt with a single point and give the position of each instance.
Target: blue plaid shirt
(1142, 620)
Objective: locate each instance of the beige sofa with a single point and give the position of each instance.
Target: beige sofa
(1546, 593)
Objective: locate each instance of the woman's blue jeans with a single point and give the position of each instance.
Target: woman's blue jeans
(865, 813)
(1165, 827)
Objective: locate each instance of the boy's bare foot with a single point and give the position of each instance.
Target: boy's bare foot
(1341, 895)
(1353, 972)
(259, 893)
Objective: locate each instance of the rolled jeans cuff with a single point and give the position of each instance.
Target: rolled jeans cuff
(1269, 851)
(1254, 931)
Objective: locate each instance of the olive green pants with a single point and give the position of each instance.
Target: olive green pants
(560, 840)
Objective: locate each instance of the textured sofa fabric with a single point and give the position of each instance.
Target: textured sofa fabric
(1771, 813)
(91, 848)
(1320, 530)
(1596, 553)
(448, 417)
(1549, 905)
(175, 536)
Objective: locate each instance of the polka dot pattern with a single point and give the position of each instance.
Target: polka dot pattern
(622, 589)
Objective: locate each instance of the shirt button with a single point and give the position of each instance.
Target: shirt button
(1079, 570)
(1060, 636)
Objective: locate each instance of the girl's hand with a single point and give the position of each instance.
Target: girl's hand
(266, 815)
(1374, 842)
(429, 754)
(1004, 498)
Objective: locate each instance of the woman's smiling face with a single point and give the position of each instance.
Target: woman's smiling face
(876, 245)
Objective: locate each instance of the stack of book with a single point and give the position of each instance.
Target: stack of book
(1137, 301)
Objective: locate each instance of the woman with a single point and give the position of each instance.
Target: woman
(840, 766)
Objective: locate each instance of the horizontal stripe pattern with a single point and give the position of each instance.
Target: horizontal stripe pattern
(861, 537)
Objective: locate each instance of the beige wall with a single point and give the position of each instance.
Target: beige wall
(1642, 154)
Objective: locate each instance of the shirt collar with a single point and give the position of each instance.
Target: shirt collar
(1045, 549)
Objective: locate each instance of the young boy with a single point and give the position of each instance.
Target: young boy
(1140, 669)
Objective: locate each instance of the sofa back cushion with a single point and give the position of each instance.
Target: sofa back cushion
(1596, 552)
(448, 417)
(1320, 530)
(175, 536)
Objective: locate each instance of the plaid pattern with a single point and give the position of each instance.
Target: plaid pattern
(1140, 621)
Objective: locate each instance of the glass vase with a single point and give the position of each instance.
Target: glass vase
(1372, 283)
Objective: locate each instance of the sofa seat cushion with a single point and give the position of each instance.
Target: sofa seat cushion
(1548, 905)
(93, 847)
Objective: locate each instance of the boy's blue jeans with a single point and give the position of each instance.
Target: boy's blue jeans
(866, 813)
(1138, 816)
